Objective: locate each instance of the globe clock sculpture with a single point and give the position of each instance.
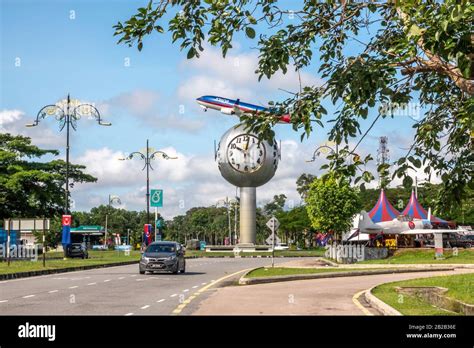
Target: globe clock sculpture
(247, 162)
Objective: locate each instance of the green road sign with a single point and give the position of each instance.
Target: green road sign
(156, 198)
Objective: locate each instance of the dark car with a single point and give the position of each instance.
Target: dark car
(77, 250)
(455, 240)
(163, 256)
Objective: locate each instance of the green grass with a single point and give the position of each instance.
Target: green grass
(460, 287)
(278, 253)
(282, 271)
(407, 256)
(95, 258)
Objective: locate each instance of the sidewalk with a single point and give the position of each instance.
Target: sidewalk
(329, 296)
(319, 263)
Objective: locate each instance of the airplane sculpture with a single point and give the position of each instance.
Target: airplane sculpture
(236, 107)
(403, 225)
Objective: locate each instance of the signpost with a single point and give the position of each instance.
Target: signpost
(273, 225)
(156, 200)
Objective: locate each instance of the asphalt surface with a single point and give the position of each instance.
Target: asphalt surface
(327, 296)
(118, 290)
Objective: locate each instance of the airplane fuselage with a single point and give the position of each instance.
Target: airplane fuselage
(235, 107)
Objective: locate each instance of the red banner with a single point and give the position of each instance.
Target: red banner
(67, 219)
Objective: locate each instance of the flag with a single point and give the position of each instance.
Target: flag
(66, 232)
(147, 229)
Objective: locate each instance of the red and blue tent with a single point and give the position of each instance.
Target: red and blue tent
(416, 211)
(383, 210)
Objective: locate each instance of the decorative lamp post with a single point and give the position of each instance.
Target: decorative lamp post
(68, 112)
(148, 155)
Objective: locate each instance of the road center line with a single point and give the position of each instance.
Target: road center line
(52, 291)
(185, 290)
(73, 287)
(145, 307)
(28, 296)
(92, 284)
(121, 277)
(3, 301)
(174, 295)
(161, 300)
(195, 286)
(128, 314)
(107, 280)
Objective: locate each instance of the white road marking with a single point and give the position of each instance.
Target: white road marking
(3, 301)
(141, 279)
(174, 295)
(133, 275)
(185, 290)
(128, 314)
(52, 291)
(161, 300)
(203, 283)
(73, 287)
(121, 277)
(145, 307)
(195, 286)
(92, 284)
(107, 280)
(28, 296)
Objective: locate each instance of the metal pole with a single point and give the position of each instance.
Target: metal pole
(44, 240)
(67, 153)
(235, 223)
(128, 236)
(147, 161)
(228, 219)
(416, 187)
(8, 241)
(273, 246)
(105, 232)
(156, 218)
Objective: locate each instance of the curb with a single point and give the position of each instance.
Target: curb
(263, 280)
(62, 270)
(379, 305)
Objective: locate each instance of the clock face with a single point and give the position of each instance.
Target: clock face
(245, 153)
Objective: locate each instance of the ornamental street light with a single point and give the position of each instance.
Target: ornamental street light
(68, 112)
(323, 149)
(148, 155)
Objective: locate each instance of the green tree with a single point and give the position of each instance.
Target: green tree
(303, 182)
(275, 206)
(29, 188)
(414, 50)
(331, 204)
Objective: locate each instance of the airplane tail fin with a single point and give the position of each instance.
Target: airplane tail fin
(366, 225)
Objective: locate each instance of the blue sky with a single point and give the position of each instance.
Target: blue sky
(153, 97)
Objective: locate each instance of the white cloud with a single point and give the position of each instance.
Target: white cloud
(14, 121)
(234, 77)
(152, 109)
(187, 181)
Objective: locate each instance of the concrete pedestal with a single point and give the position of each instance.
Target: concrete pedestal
(248, 207)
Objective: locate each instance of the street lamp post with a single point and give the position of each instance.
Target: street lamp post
(227, 204)
(112, 199)
(68, 112)
(147, 156)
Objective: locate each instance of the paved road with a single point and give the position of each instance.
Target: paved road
(116, 290)
(327, 296)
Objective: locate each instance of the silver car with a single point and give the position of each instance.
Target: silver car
(163, 256)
